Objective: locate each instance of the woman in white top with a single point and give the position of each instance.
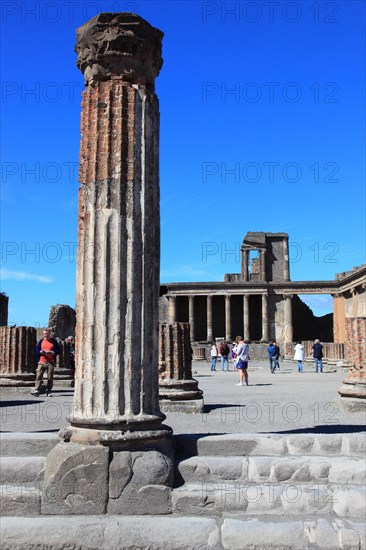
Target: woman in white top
(299, 355)
(242, 355)
(214, 354)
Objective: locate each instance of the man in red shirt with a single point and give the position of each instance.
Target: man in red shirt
(47, 351)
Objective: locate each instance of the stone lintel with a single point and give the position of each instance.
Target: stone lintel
(119, 44)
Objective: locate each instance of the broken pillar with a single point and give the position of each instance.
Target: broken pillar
(116, 456)
(62, 321)
(178, 391)
(353, 390)
(18, 361)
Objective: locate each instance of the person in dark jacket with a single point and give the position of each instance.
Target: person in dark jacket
(272, 357)
(46, 351)
(318, 355)
(277, 356)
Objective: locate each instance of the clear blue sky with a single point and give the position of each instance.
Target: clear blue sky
(262, 129)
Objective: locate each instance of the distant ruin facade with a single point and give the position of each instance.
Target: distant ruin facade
(4, 305)
(262, 303)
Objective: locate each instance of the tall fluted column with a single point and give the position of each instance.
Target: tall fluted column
(191, 316)
(288, 329)
(246, 318)
(209, 318)
(227, 317)
(264, 318)
(116, 401)
(172, 309)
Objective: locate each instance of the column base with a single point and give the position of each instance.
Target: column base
(353, 391)
(109, 472)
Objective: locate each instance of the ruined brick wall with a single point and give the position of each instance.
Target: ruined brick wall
(274, 259)
(355, 345)
(17, 350)
(4, 304)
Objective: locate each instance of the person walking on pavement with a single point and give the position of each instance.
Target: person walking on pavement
(299, 355)
(242, 354)
(47, 350)
(277, 356)
(214, 354)
(272, 357)
(224, 352)
(318, 355)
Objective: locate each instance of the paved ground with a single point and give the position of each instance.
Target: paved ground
(282, 402)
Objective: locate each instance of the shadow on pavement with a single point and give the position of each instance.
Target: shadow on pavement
(325, 429)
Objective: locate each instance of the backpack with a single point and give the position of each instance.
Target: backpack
(224, 349)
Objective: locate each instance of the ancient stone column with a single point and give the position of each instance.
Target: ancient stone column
(191, 315)
(178, 390)
(17, 356)
(172, 309)
(264, 318)
(209, 318)
(353, 390)
(116, 414)
(227, 317)
(288, 329)
(246, 334)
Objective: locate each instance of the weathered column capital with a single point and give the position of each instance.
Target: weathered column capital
(119, 44)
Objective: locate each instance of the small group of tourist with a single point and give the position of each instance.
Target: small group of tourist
(317, 351)
(240, 356)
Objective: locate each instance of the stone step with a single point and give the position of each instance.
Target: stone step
(234, 445)
(175, 533)
(272, 499)
(27, 444)
(20, 499)
(21, 469)
(213, 469)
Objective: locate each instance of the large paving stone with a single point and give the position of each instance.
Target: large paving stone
(110, 533)
(256, 499)
(325, 534)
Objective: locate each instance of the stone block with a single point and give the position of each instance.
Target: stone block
(110, 532)
(21, 469)
(257, 535)
(202, 469)
(76, 480)
(139, 483)
(20, 499)
(27, 444)
(349, 502)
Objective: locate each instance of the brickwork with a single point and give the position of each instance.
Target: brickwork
(355, 345)
(17, 350)
(4, 304)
